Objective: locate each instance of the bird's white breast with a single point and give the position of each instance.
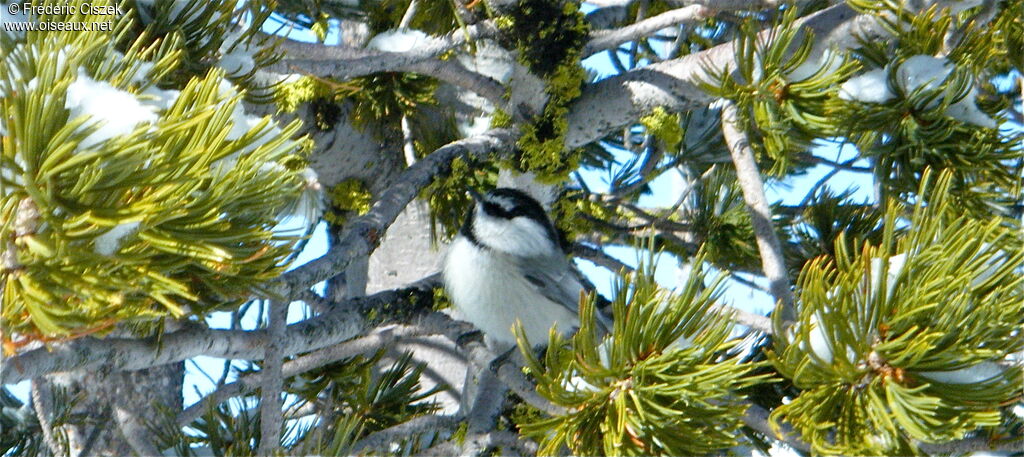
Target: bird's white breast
(487, 288)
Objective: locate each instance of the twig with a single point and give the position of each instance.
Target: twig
(133, 431)
(756, 418)
(344, 321)
(41, 397)
(749, 178)
(273, 379)
(373, 341)
(405, 430)
(600, 257)
(478, 443)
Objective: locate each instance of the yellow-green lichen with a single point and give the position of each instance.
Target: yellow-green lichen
(574, 215)
(347, 198)
(665, 127)
(448, 198)
(549, 38)
(289, 95)
(500, 119)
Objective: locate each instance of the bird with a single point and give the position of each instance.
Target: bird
(506, 264)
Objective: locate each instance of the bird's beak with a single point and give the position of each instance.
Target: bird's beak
(473, 193)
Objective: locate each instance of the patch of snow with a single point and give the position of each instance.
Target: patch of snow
(921, 70)
(963, 5)
(490, 60)
(967, 375)
(870, 87)
(108, 243)
(399, 40)
(159, 99)
(578, 384)
(966, 110)
(236, 55)
(931, 73)
(892, 270)
(827, 63)
(479, 125)
(117, 111)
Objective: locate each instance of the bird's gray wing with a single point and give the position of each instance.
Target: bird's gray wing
(555, 279)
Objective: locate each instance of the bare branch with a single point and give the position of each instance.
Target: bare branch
(610, 39)
(42, 395)
(405, 430)
(374, 340)
(273, 379)
(599, 257)
(772, 260)
(346, 62)
(752, 320)
(344, 321)
(363, 234)
(478, 443)
(976, 444)
(134, 432)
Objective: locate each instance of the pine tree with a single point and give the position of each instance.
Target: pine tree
(157, 157)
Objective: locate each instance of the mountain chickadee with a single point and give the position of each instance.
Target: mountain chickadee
(506, 265)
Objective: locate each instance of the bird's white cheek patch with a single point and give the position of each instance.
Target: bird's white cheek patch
(518, 236)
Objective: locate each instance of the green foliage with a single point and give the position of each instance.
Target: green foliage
(660, 384)
(905, 136)
(549, 37)
(829, 218)
(887, 333)
(208, 31)
(720, 214)
(782, 115)
(386, 97)
(173, 216)
(360, 398)
(20, 431)
(290, 94)
(573, 214)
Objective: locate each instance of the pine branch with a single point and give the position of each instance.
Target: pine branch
(479, 443)
(344, 321)
(374, 340)
(772, 258)
(273, 379)
(423, 424)
(673, 85)
(134, 431)
(610, 39)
